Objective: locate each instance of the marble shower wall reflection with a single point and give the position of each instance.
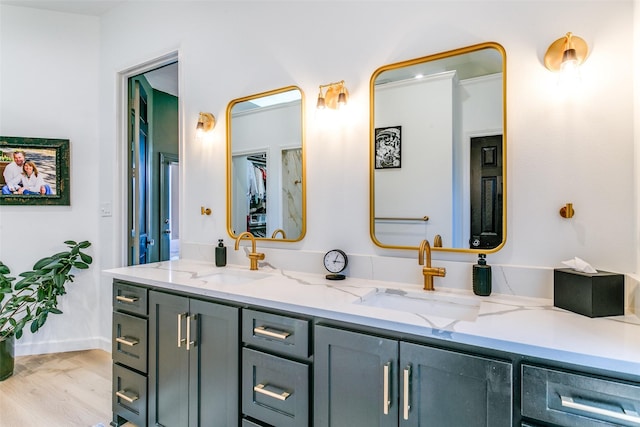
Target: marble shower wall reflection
(292, 191)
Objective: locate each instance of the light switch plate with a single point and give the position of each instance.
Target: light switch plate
(105, 209)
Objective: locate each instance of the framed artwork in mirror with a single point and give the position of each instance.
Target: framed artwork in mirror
(34, 171)
(388, 147)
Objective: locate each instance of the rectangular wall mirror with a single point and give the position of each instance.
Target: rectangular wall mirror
(438, 151)
(265, 165)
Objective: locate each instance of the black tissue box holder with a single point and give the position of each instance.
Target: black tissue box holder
(590, 294)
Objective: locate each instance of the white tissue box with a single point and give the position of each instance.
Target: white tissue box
(590, 294)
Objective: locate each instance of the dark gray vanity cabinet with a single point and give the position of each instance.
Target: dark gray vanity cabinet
(276, 369)
(129, 354)
(572, 399)
(193, 363)
(366, 380)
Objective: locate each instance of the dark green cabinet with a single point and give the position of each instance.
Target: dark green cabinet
(366, 380)
(193, 362)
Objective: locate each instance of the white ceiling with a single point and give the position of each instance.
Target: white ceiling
(164, 79)
(82, 7)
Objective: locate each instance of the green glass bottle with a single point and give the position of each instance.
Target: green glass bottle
(482, 277)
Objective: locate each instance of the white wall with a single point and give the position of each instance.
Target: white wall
(561, 149)
(49, 89)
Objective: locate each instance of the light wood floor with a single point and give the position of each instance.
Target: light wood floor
(62, 389)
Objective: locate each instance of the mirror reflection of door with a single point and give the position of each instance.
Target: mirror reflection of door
(169, 199)
(486, 192)
(152, 134)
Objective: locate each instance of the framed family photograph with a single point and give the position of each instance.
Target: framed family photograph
(34, 171)
(388, 143)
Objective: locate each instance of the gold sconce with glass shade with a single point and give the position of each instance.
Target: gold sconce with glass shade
(266, 165)
(447, 114)
(206, 123)
(566, 54)
(335, 96)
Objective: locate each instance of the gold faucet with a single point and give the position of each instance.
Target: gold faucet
(279, 230)
(424, 258)
(253, 255)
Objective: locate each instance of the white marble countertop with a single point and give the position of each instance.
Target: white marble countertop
(526, 326)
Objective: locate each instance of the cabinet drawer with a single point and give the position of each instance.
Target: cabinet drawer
(247, 423)
(281, 334)
(129, 395)
(129, 341)
(275, 390)
(577, 400)
(129, 298)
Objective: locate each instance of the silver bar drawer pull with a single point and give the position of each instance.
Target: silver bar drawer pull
(386, 402)
(271, 333)
(127, 341)
(261, 388)
(128, 300)
(122, 394)
(568, 402)
(406, 406)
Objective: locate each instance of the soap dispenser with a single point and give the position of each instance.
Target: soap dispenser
(482, 277)
(221, 254)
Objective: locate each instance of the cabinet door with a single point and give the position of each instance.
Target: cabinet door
(214, 360)
(355, 379)
(168, 362)
(446, 388)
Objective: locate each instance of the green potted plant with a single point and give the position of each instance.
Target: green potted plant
(34, 296)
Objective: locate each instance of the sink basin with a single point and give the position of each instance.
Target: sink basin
(232, 277)
(424, 303)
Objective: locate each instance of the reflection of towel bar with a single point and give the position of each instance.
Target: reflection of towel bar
(424, 218)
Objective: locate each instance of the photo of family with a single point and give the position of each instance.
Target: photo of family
(33, 170)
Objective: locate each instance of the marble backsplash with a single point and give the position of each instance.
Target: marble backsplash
(524, 281)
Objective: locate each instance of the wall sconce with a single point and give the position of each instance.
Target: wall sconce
(335, 96)
(206, 122)
(566, 54)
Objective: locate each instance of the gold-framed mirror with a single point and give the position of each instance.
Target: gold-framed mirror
(438, 151)
(266, 165)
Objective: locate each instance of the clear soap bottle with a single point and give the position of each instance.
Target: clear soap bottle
(482, 277)
(221, 254)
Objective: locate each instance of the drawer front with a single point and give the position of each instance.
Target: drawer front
(129, 341)
(129, 395)
(576, 400)
(247, 423)
(275, 390)
(130, 298)
(281, 334)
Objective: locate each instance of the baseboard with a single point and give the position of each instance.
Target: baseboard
(95, 343)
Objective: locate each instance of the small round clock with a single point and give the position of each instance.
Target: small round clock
(335, 261)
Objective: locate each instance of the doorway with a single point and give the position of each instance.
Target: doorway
(152, 177)
(486, 192)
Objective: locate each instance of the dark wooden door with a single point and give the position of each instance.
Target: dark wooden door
(214, 365)
(452, 389)
(168, 361)
(486, 192)
(350, 371)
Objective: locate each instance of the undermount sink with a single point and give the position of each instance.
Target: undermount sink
(423, 303)
(232, 277)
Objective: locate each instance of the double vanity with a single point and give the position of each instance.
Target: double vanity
(198, 345)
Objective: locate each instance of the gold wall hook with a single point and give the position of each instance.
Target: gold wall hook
(205, 211)
(567, 211)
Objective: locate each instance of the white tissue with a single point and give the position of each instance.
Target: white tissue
(580, 265)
